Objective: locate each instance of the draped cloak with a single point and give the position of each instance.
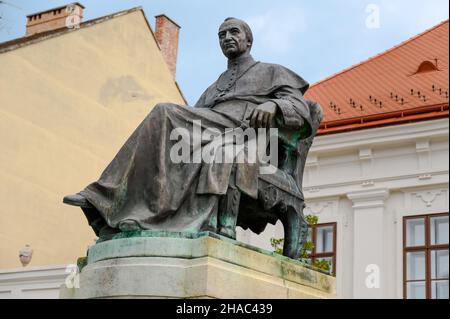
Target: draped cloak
(143, 184)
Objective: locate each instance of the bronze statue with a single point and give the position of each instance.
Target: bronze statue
(143, 188)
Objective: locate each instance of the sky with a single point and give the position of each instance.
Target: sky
(315, 39)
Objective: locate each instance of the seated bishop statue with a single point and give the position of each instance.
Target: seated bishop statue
(145, 188)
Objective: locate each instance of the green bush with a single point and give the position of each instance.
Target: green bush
(324, 265)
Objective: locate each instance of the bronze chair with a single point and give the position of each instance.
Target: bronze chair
(280, 195)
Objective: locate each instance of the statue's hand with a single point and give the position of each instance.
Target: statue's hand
(263, 115)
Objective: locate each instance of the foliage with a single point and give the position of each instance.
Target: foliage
(276, 244)
(311, 219)
(325, 265)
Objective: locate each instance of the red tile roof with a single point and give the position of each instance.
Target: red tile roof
(406, 83)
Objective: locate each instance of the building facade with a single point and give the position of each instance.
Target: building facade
(377, 174)
(70, 97)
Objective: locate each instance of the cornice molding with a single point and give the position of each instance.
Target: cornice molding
(382, 135)
(369, 198)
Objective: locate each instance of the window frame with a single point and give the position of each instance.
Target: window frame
(313, 255)
(427, 248)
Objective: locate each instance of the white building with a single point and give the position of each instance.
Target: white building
(377, 175)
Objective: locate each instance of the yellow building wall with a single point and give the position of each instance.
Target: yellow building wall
(67, 104)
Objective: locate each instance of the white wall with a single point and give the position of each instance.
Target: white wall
(34, 282)
(366, 181)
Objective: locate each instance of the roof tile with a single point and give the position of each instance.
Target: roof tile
(388, 87)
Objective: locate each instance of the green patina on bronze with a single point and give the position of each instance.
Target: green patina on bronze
(81, 263)
(291, 138)
(159, 233)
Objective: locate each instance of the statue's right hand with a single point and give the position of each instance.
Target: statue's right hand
(263, 115)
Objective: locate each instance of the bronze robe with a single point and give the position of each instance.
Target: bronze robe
(143, 184)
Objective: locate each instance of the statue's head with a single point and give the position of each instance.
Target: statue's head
(235, 37)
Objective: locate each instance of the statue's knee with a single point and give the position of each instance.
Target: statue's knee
(163, 107)
(158, 107)
(156, 111)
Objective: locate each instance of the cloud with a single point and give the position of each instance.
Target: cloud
(276, 31)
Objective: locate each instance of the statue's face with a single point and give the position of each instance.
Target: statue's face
(233, 39)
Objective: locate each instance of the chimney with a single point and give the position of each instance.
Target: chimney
(166, 33)
(69, 16)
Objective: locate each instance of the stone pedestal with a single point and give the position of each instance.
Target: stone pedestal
(157, 265)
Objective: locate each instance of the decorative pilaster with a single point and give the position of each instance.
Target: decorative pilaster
(369, 271)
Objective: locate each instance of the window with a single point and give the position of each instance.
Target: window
(425, 257)
(323, 237)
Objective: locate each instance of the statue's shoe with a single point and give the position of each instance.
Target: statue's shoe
(227, 232)
(129, 225)
(107, 232)
(77, 200)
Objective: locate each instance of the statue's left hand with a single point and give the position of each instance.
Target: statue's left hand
(263, 115)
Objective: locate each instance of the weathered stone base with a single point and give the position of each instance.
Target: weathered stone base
(209, 266)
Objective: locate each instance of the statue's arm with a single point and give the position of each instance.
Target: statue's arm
(294, 113)
(201, 100)
(206, 96)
